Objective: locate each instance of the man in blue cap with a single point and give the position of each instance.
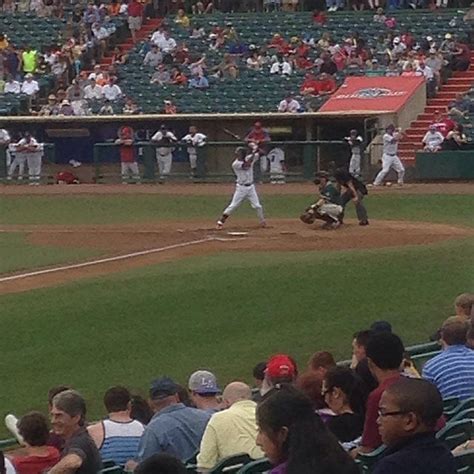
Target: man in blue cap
(204, 391)
(175, 428)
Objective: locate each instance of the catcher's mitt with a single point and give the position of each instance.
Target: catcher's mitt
(308, 216)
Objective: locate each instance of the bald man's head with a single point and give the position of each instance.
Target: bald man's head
(236, 392)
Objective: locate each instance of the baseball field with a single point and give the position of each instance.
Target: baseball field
(103, 285)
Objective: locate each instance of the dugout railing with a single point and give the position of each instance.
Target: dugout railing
(302, 159)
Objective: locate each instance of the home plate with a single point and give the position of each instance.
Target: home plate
(238, 234)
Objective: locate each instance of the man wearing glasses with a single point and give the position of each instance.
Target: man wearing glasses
(407, 417)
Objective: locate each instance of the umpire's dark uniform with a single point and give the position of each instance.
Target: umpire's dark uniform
(344, 178)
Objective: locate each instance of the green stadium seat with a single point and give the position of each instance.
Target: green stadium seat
(456, 433)
(463, 415)
(423, 348)
(367, 461)
(421, 359)
(462, 406)
(450, 403)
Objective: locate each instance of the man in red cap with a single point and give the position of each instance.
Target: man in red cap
(281, 369)
(259, 136)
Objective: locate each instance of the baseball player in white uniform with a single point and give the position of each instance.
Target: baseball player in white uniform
(31, 151)
(276, 158)
(355, 142)
(244, 187)
(195, 139)
(4, 141)
(390, 158)
(164, 153)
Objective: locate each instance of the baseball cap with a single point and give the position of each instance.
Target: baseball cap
(203, 381)
(280, 365)
(396, 40)
(162, 387)
(448, 36)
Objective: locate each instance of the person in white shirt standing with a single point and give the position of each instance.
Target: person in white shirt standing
(390, 157)
(197, 140)
(31, 151)
(290, 105)
(245, 187)
(276, 157)
(164, 138)
(355, 142)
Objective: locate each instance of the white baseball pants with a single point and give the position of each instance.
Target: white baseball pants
(164, 163)
(388, 162)
(354, 165)
(130, 169)
(331, 210)
(192, 160)
(34, 167)
(240, 194)
(18, 162)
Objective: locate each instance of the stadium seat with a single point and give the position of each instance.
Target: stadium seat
(463, 415)
(231, 464)
(423, 348)
(258, 466)
(421, 359)
(112, 470)
(367, 461)
(465, 462)
(450, 403)
(7, 443)
(462, 406)
(456, 433)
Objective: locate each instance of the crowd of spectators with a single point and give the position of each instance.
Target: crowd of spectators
(314, 420)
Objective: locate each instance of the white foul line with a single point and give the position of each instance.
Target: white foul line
(106, 260)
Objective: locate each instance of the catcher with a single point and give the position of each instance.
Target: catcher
(328, 207)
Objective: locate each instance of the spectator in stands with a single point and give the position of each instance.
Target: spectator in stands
(433, 139)
(12, 86)
(346, 395)
(112, 91)
(325, 84)
(35, 455)
(169, 107)
(294, 438)
(166, 44)
(161, 464)
(75, 92)
(281, 66)
(65, 108)
(385, 354)
(198, 81)
(289, 105)
(175, 428)
(51, 108)
(130, 107)
(435, 61)
(281, 370)
(227, 68)
(93, 91)
(258, 374)
(161, 76)
(461, 57)
(181, 19)
(177, 77)
(408, 412)
(442, 123)
(154, 57)
(254, 61)
(140, 409)
(460, 107)
(68, 414)
(231, 431)
(379, 16)
(470, 335)
(117, 436)
(328, 66)
(455, 139)
(119, 57)
(135, 17)
(430, 79)
(452, 371)
(29, 59)
(311, 381)
(204, 391)
(30, 86)
(464, 305)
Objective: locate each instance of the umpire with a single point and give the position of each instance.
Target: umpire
(352, 189)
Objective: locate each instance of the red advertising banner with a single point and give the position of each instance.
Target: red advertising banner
(388, 94)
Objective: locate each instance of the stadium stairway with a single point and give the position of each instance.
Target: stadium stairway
(149, 26)
(460, 82)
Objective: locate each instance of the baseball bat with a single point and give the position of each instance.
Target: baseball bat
(232, 134)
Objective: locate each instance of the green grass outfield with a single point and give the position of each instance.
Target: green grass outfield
(226, 311)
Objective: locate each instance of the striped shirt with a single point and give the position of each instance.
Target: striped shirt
(452, 372)
(121, 440)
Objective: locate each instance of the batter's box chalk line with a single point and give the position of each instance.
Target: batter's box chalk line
(113, 259)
